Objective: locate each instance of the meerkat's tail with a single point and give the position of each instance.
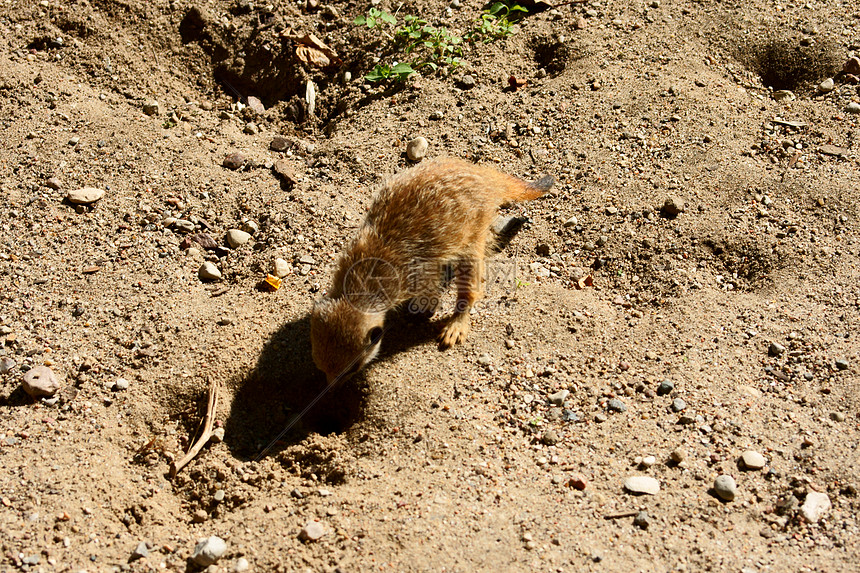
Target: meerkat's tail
(528, 191)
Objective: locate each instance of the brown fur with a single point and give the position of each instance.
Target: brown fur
(423, 219)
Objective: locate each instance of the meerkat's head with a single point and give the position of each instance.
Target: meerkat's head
(343, 338)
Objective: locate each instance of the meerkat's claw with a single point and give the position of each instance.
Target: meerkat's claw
(455, 332)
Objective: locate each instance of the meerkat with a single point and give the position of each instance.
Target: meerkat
(424, 221)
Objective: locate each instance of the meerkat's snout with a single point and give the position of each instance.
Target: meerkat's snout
(343, 338)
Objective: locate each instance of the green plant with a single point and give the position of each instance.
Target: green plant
(497, 22)
(397, 72)
(374, 18)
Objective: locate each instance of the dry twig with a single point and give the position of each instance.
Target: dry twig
(208, 420)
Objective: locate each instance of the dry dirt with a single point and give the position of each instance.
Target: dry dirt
(436, 461)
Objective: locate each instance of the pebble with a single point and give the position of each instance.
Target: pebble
(784, 95)
(642, 485)
(815, 506)
(251, 128)
(141, 551)
(673, 206)
(726, 487)
(120, 384)
(416, 149)
(54, 183)
(833, 150)
(236, 238)
(7, 364)
(218, 435)
(550, 438)
(183, 225)
(571, 222)
(775, 349)
(484, 360)
(559, 397)
(678, 455)
(40, 381)
(85, 195)
(678, 405)
(852, 66)
(826, 86)
(312, 531)
(467, 82)
(285, 170)
(234, 161)
(578, 482)
(151, 107)
(256, 105)
(281, 268)
(241, 565)
(753, 460)
(842, 364)
(648, 461)
(835, 416)
(208, 551)
(437, 115)
(279, 144)
(209, 272)
(641, 520)
(665, 387)
(616, 405)
(853, 107)
(199, 516)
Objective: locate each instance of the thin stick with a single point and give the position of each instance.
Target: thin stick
(621, 515)
(208, 421)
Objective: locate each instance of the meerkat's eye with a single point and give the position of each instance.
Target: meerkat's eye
(375, 334)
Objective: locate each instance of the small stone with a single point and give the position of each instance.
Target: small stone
(199, 516)
(600, 417)
(550, 438)
(484, 360)
(853, 107)
(726, 487)
(642, 485)
(816, 506)
(641, 520)
(571, 222)
(307, 260)
(140, 552)
(559, 397)
(120, 385)
(784, 95)
(219, 495)
(648, 461)
(437, 115)
(543, 250)
(833, 150)
(281, 268)
(204, 240)
(826, 86)
(255, 105)
(467, 82)
(85, 195)
(285, 170)
(7, 364)
(313, 531)
(842, 364)
(234, 161)
(183, 225)
(217, 435)
(665, 387)
(251, 128)
(40, 381)
(678, 455)
(151, 107)
(775, 349)
(208, 551)
(236, 238)
(54, 183)
(279, 144)
(209, 272)
(250, 226)
(416, 149)
(752, 460)
(835, 416)
(678, 405)
(241, 565)
(852, 66)
(616, 405)
(578, 482)
(673, 206)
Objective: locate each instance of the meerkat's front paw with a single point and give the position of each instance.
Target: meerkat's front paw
(455, 332)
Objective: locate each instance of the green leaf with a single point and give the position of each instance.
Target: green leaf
(360, 21)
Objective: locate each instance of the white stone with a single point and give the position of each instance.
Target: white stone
(726, 487)
(208, 550)
(236, 238)
(209, 272)
(826, 86)
(416, 149)
(642, 484)
(753, 460)
(815, 506)
(85, 195)
(40, 381)
(281, 268)
(313, 531)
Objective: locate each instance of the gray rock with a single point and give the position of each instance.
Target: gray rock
(550, 438)
(7, 364)
(120, 384)
(279, 144)
(837, 416)
(281, 268)
(151, 107)
(775, 349)
(416, 149)
(255, 105)
(54, 183)
(642, 485)
(85, 195)
(559, 397)
(673, 206)
(467, 82)
(571, 222)
(641, 520)
(209, 272)
(616, 405)
(183, 225)
(208, 551)
(753, 460)
(140, 552)
(842, 364)
(236, 238)
(826, 86)
(40, 381)
(678, 405)
(484, 360)
(853, 107)
(665, 387)
(816, 506)
(251, 128)
(234, 161)
(726, 487)
(312, 531)
(241, 565)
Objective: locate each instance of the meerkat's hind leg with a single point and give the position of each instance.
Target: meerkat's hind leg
(468, 280)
